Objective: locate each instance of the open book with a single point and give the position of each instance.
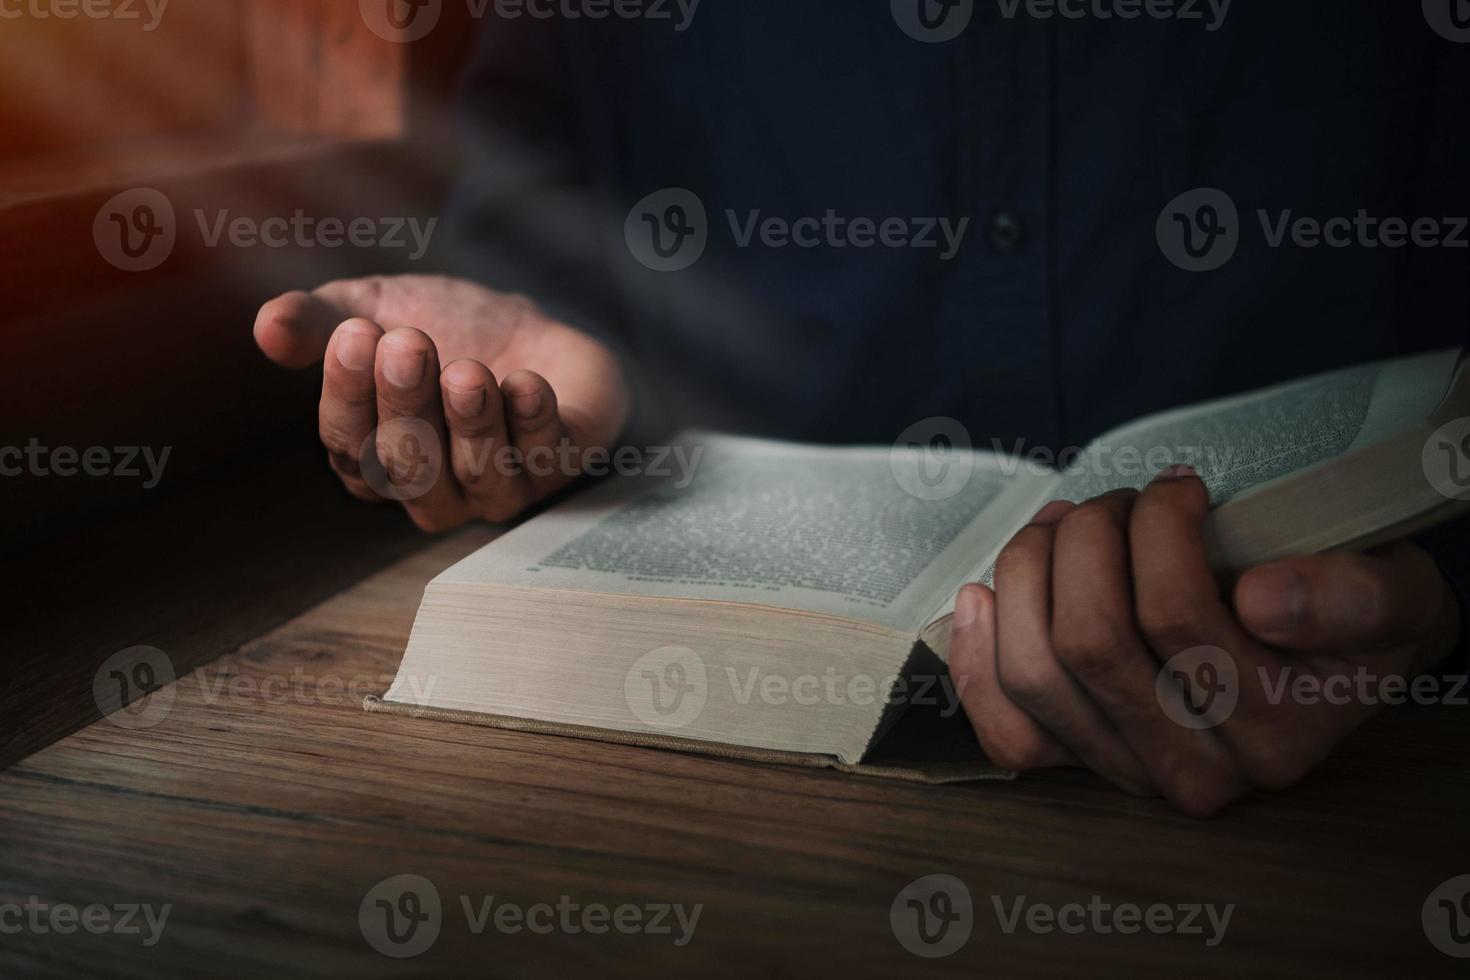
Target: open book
(792, 603)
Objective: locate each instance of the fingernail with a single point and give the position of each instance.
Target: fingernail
(403, 369)
(1177, 472)
(966, 608)
(1274, 600)
(467, 402)
(526, 406)
(355, 351)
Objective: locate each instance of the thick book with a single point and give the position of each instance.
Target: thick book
(792, 603)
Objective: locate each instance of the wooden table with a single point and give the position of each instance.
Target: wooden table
(266, 804)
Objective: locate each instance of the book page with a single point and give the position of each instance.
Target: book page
(827, 530)
(1241, 444)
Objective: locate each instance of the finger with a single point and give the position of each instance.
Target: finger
(293, 328)
(1009, 737)
(1343, 602)
(411, 436)
(1179, 608)
(348, 411)
(1029, 671)
(478, 441)
(1177, 600)
(1096, 641)
(536, 430)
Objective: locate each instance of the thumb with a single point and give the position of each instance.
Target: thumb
(1342, 602)
(293, 329)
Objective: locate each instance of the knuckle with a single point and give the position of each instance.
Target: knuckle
(339, 441)
(1199, 788)
(1089, 644)
(1169, 623)
(345, 465)
(501, 507)
(1273, 763)
(1014, 751)
(1024, 680)
(432, 521)
(1093, 517)
(1027, 544)
(1172, 497)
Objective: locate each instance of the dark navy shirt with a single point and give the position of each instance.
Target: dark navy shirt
(1061, 141)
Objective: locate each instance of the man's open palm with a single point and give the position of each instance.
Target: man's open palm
(407, 360)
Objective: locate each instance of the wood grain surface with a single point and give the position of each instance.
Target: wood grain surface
(264, 805)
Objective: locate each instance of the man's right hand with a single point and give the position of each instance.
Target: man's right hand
(487, 374)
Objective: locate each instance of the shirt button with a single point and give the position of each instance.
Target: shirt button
(1006, 233)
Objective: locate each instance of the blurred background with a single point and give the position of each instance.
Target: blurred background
(121, 337)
